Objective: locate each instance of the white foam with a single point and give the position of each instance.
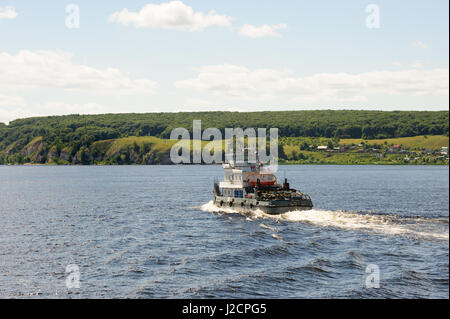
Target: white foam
(268, 227)
(390, 225)
(277, 237)
(385, 224)
(212, 208)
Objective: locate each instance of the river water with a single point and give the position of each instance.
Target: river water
(152, 232)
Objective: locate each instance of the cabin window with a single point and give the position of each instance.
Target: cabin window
(238, 193)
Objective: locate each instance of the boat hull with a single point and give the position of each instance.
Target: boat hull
(243, 205)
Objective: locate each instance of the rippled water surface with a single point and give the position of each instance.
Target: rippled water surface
(152, 232)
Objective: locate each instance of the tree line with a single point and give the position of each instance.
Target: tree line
(77, 131)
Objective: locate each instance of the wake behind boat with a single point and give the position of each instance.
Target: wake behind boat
(246, 187)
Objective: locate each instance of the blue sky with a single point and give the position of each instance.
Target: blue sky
(248, 55)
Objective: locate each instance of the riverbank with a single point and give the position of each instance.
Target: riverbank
(149, 150)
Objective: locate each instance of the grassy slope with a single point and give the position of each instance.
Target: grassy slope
(144, 144)
(433, 142)
(412, 143)
(149, 144)
(116, 145)
(418, 143)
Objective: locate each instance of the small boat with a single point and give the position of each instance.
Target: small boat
(248, 187)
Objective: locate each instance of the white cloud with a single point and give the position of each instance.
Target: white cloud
(198, 104)
(55, 69)
(7, 101)
(417, 65)
(12, 108)
(396, 63)
(170, 15)
(61, 108)
(262, 31)
(8, 13)
(240, 83)
(420, 44)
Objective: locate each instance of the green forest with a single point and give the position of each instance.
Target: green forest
(142, 138)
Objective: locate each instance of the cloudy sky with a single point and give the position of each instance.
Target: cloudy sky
(115, 56)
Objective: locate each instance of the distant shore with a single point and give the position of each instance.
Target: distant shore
(281, 164)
